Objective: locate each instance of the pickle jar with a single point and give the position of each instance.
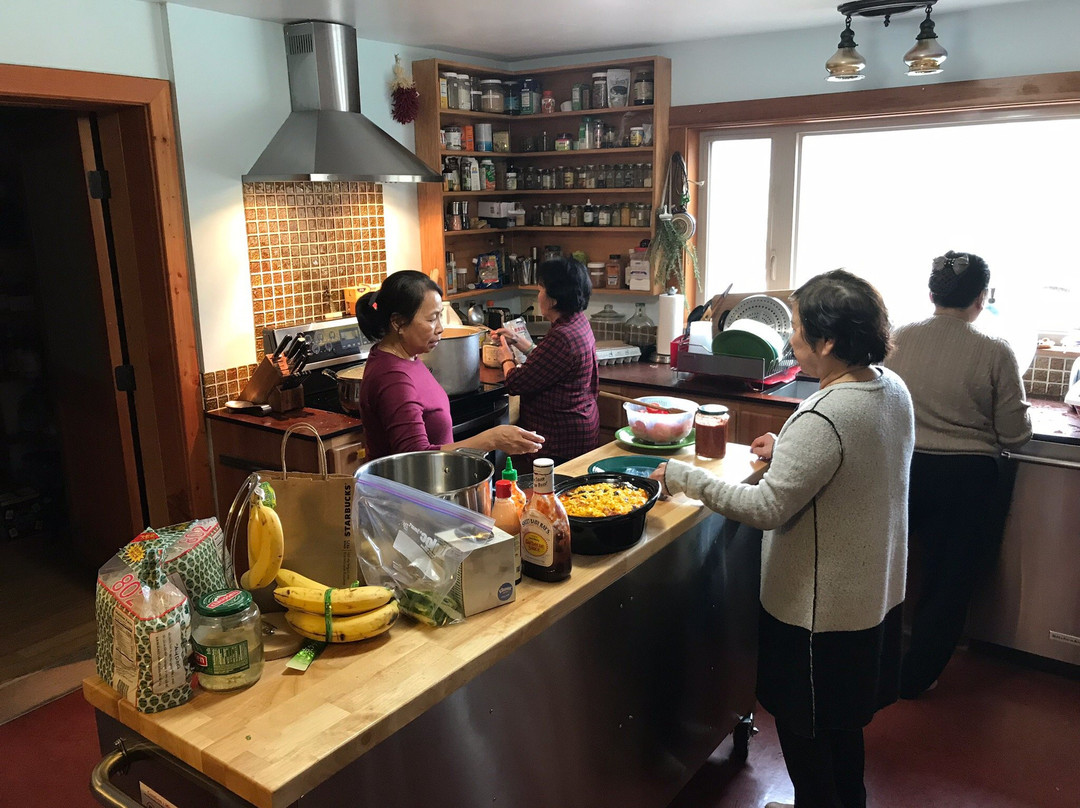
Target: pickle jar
(226, 638)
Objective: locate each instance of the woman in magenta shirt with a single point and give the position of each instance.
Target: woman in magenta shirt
(402, 406)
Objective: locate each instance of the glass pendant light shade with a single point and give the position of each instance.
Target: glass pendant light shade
(925, 58)
(847, 63)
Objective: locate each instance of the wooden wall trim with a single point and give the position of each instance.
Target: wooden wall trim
(982, 94)
(74, 88)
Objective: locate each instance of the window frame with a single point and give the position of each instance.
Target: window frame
(977, 101)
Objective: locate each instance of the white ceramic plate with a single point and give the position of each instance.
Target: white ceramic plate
(771, 311)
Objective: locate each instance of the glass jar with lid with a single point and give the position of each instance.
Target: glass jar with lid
(710, 426)
(512, 88)
(492, 96)
(453, 87)
(464, 91)
(607, 315)
(596, 274)
(640, 329)
(475, 94)
(603, 216)
(226, 639)
(642, 90)
(599, 90)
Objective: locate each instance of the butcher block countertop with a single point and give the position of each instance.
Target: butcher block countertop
(289, 732)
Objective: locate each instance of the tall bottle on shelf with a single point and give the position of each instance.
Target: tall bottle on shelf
(545, 529)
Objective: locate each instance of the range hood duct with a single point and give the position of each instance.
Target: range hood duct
(325, 138)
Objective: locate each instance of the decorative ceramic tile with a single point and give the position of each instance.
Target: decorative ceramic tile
(307, 243)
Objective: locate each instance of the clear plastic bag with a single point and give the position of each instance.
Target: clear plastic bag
(415, 543)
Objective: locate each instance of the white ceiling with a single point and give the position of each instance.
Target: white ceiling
(509, 30)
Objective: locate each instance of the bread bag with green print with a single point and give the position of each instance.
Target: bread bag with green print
(143, 627)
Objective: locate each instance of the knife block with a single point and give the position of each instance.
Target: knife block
(286, 400)
(266, 377)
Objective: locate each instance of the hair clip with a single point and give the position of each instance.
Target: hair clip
(958, 263)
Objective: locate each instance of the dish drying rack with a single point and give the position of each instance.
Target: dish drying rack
(757, 372)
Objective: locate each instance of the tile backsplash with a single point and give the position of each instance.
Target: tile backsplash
(307, 242)
(1048, 376)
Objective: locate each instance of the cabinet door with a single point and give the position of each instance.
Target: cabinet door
(756, 419)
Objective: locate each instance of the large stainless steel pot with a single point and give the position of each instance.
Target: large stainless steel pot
(455, 362)
(458, 477)
(348, 386)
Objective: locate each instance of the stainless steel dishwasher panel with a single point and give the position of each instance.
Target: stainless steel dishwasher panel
(1031, 602)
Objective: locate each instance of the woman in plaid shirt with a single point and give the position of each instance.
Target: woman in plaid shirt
(558, 381)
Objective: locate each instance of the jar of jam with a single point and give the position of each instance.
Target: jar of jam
(710, 426)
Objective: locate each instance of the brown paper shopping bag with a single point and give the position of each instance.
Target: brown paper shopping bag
(316, 520)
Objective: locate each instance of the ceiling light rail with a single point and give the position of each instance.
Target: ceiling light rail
(924, 58)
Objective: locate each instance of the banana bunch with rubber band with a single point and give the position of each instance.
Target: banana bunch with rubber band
(265, 539)
(335, 614)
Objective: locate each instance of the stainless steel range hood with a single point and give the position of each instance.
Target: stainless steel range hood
(326, 137)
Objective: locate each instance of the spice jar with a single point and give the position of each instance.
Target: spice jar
(596, 274)
(492, 96)
(226, 638)
(711, 425)
(613, 270)
(547, 102)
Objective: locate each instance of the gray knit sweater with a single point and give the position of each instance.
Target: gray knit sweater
(833, 504)
(966, 386)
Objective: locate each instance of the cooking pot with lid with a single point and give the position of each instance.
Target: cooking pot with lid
(459, 477)
(348, 386)
(455, 361)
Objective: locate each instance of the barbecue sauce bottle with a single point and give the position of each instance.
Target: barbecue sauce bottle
(545, 530)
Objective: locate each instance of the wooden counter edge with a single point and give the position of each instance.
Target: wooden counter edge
(478, 650)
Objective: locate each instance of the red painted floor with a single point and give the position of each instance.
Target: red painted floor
(993, 734)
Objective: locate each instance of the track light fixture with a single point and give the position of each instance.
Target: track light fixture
(924, 59)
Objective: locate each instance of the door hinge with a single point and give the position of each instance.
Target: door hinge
(125, 378)
(99, 184)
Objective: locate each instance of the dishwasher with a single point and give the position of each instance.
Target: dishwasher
(1031, 602)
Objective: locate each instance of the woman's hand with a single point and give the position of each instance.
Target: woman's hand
(658, 474)
(512, 339)
(763, 446)
(503, 352)
(513, 439)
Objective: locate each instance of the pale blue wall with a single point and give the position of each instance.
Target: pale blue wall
(232, 94)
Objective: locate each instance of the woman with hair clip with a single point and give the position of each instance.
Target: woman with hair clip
(969, 405)
(402, 406)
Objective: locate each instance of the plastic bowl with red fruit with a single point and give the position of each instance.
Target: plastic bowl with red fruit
(661, 427)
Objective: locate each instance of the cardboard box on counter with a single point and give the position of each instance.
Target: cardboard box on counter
(486, 578)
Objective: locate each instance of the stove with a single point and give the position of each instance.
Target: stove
(339, 344)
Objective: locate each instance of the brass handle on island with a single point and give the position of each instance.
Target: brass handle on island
(653, 408)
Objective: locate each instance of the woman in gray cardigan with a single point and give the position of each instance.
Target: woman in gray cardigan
(833, 505)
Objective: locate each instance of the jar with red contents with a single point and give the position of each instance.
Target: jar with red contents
(710, 431)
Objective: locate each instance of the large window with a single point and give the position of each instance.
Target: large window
(782, 204)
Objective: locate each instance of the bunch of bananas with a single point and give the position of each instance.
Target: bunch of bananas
(265, 540)
(330, 614)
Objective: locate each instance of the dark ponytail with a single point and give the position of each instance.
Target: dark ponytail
(401, 294)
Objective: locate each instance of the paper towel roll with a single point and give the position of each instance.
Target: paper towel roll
(670, 326)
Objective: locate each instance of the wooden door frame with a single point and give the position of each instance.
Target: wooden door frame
(152, 262)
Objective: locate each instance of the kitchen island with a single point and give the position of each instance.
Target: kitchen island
(612, 687)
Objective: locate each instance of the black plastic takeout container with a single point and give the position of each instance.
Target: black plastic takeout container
(600, 535)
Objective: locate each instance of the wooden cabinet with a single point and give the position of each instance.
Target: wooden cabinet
(749, 419)
(539, 130)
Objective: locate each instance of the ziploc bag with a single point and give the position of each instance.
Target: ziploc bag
(414, 543)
